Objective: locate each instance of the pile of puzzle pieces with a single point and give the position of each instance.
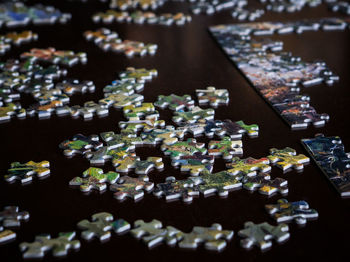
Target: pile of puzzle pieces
(108, 40)
(140, 17)
(18, 14)
(279, 76)
(153, 233)
(14, 38)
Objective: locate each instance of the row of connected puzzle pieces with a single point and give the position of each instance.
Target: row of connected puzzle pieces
(277, 75)
(139, 17)
(18, 14)
(14, 38)
(110, 41)
(153, 233)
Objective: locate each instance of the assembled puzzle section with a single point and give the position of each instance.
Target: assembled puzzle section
(329, 154)
(279, 76)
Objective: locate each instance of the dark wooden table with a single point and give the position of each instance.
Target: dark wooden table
(188, 58)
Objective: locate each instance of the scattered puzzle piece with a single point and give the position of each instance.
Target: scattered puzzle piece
(80, 144)
(184, 148)
(235, 130)
(175, 102)
(139, 75)
(261, 234)
(24, 172)
(214, 237)
(152, 232)
(266, 186)
(213, 96)
(248, 166)
(195, 164)
(140, 166)
(174, 189)
(287, 158)
(94, 178)
(11, 217)
(131, 187)
(285, 211)
(168, 136)
(70, 87)
(193, 116)
(7, 235)
(225, 148)
(43, 243)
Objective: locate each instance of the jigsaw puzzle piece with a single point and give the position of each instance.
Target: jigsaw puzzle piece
(139, 75)
(225, 148)
(6, 112)
(153, 233)
(124, 87)
(24, 172)
(127, 138)
(131, 187)
(168, 136)
(184, 148)
(287, 158)
(146, 125)
(72, 86)
(214, 237)
(196, 114)
(175, 102)
(104, 154)
(261, 234)
(11, 217)
(145, 111)
(212, 96)
(80, 144)
(195, 164)
(265, 185)
(120, 100)
(140, 166)
(43, 243)
(248, 166)
(6, 235)
(285, 211)
(235, 130)
(174, 189)
(94, 178)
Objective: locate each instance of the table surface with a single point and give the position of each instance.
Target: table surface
(187, 59)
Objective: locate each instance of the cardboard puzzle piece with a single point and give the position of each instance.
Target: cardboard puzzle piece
(146, 125)
(287, 158)
(127, 138)
(213, 237)
(104, 154)
(195, 164)
(124, 87)
(153, 233)
(80, 144)
(235, 130)
(212, 96)
(218, 183)
(184, 148)
(131, 187)
(94, 178)
(143, 4)
(43, 243)
(248, 166)
(120, 100)
(261, 235)
(70, 87)
(285, 211)
(24, 172)
(6, 235)
(44, 96)
(139, 75)
(144, 111)
(87, 111)
(168, 136)
(175, 102)
(10, 110)
(193, 116)
(140, 166)
(45, 111)
(12, 217)
(195, 129)
(14, 38)
(225, 148)
(98, 228)
(266, 186)
(173, 189)
(329, 154)
(130, 48)
(51, 55)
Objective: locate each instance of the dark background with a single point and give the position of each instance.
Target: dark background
(187, 59)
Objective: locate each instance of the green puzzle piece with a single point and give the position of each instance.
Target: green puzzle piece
(184, 148)
(193, 116)
(225, 148)
(248, 166)
(287, 158)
